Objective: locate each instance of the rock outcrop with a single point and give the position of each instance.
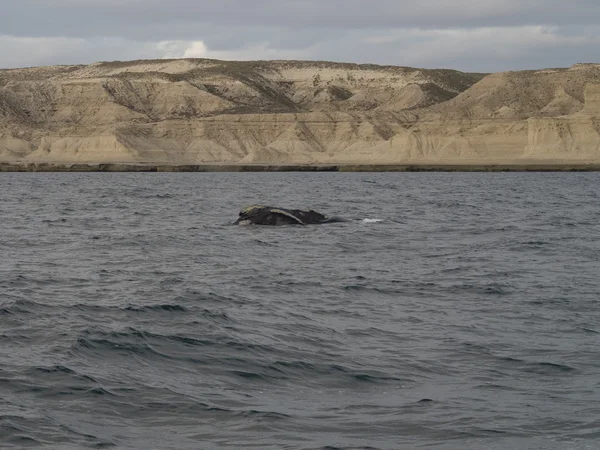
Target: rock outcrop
(197, 111)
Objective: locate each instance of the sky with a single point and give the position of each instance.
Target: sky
(468, 35)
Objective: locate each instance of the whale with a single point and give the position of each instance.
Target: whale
(274, 216)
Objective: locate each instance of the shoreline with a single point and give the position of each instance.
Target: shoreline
(118, 167)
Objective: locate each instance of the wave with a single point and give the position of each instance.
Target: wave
(157, 308)
(443, 317)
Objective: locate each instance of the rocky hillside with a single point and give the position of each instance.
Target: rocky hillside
(520, 95)
(195, 111)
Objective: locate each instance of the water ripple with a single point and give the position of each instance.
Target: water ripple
(452, 311)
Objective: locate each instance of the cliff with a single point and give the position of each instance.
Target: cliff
(198, 111)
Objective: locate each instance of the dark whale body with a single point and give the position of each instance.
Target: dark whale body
(270, 215)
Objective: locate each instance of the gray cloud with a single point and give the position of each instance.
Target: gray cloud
(139, 18)
(483, 35)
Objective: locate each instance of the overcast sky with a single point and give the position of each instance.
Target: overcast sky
(469, 35)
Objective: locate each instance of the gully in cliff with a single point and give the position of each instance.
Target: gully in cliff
(269, 215)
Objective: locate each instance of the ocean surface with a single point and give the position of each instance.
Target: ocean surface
(454, 311)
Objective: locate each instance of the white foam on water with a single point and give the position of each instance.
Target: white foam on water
(372, 220)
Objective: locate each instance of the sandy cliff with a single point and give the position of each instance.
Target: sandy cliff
(280, 112)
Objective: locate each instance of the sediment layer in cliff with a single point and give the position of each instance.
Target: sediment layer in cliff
(296, 112)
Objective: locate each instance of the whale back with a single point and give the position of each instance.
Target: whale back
(269, 215)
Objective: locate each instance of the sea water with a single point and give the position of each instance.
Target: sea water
(453, 311)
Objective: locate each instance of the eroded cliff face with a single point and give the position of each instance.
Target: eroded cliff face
(206, 111)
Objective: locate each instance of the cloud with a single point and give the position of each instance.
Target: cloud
(182, 49)
(480, 35)
(35, 51)
(24, 51)
(489, 48)
(258, 51)
(138, 19)
(27, 52)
